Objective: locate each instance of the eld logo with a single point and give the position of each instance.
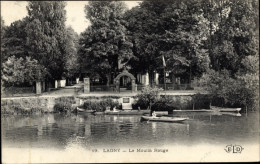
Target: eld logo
(234, 149)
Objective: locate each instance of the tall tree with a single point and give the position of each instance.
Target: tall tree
(71, 56)
(235, 54)
(105, 43)
(2, 37)
(22, 71)
(47, 35)
(236, 36)
(145, 26)
(14, 40)
(173, 29)
(186, 30)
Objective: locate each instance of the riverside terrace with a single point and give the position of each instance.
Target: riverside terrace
(47, 101)
(124, 84)
(77, 90)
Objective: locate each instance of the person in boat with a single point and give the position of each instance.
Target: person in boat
(153, 114)
(114, 109)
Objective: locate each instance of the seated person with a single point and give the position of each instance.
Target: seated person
(153, 114)
(114, 109)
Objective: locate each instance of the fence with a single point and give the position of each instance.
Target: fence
(69, 90)
(140, 87)
(18, 91)
(175, 86)
(112, 88)
(102, 88)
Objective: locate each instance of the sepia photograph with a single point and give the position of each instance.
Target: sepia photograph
(130, 81)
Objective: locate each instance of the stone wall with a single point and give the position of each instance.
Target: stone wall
(47, 103)
(44, 104)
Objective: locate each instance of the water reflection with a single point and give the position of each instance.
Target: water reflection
(61, 131)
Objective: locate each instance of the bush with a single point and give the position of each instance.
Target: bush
(148, 96)
(100, 105)
(141, 104)
(164, 104)
(62, 107)
(239, 90)
(64, 104)
(201, 101)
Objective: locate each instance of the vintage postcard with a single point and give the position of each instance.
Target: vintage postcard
(130, 81)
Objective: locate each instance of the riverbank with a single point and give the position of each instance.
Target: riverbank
(68, 103)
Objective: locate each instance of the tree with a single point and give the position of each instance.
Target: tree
(105, 44)
(20, 72)
(145, 26)
(175, 30)
(149, 96)
(186, 30)
(235, 37)
(46, 35)
(14, 40)
(2, 37)
(71, 57)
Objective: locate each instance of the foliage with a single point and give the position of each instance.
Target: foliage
(64, 104)
(18, 71)
(148, 96)
(40, 37)
(3, 29)
(201, 101)
(235, 37)
(100, 105)
(171, 29)
(71, 68)
(105, 43)
(14, 40)
(46, 35)
(241, 91)
(164, 104)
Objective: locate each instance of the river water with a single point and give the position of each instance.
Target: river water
(62, 131)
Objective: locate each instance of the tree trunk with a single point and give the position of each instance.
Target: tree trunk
(108, 79)
(151, 76)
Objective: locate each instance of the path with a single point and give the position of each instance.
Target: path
(72, 90)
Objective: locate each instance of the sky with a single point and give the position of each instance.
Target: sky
(14, 10)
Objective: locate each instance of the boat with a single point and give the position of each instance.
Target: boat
(98, 113)
(223, 109)
(127, 112)
(232, 114)
(85, 111)
(163, 119)
(195, 110)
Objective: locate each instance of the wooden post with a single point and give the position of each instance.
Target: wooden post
(246, 111)
(164, 79)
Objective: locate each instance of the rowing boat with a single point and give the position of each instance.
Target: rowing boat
(98, 113)
(85, 111)
(127, 112)
(223, 109)
(231, 114)
(163, 119)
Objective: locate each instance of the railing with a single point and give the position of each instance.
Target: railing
(70, 90)
(102, 88)
(175, 86)
(140, 87)
(18, 91)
